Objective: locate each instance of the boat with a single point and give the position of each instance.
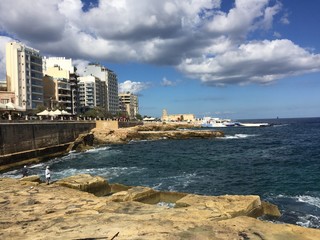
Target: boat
(210, 122)
(217, 122)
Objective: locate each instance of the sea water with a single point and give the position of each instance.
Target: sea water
(280, 163)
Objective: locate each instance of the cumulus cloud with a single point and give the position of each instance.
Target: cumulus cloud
(132, 87)
(261, 62)
(196, 36)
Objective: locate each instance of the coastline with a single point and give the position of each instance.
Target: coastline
(33, 210)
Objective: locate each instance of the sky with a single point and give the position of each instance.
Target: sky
(238, 59)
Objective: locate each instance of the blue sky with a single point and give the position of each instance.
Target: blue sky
(236, 59)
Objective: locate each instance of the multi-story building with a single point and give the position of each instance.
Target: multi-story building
(91, 92)
(57, 89)
(111, 83)
(67, 71)
(24, 75)
(129, 102)
(62, 62)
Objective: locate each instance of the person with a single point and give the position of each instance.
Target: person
(24, 171)
(47, 174)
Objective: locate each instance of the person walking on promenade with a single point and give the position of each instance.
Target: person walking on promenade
(24, 171)
(48, 175)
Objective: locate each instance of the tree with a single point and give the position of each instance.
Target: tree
(96, 112)
(138, 116)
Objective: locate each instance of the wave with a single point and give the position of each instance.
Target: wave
(37, 165)
(107, 173)
(303, 210)
(178, 182)
(309, 221)
(238, 136)
(314, 201)
(97, 149)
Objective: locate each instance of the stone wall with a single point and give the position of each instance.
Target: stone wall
(21, 141)
(113, 124)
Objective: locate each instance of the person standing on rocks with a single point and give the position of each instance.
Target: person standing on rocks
(24, 171)
(48, 175)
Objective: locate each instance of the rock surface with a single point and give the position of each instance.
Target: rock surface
(87, 183)
(38, 211)
(151, 132)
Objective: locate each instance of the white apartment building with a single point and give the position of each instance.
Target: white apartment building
(65, 69)
(91, 92)
(111, 82)
(62, 62)
(24, 75)
(130, 103)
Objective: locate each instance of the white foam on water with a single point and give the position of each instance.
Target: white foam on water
(39, 165)
(309, 221)
(11, 174)
(314, 201)
(157, 186)
(106, 173)
(280, 125)
(183, 180)
(98, 149)
(238, 136)
(166, 204)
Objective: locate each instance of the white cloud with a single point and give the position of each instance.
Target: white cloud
(3, 41)
(285, 19)
(261, 62)
(194, 35)
(80, 65)
(132, 87)
(165, 82)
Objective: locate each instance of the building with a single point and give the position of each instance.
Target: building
(129, 104)
(60, 67)
(177, 117)
(62, 62)
(3, 86)
(111, 85)
(24, 75)
(57, 89)
(6, 97)
(91, 92)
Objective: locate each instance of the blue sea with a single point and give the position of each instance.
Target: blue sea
(280, 163)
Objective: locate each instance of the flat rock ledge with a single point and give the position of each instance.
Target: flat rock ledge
(32, 210)
(99, 136)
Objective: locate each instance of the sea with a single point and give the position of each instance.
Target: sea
(280, 163)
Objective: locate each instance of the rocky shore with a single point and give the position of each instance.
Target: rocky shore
(99, 136)
(88, 207)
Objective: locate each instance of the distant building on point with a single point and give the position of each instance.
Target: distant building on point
(177, 117)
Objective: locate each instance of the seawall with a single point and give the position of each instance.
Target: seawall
(29, 142)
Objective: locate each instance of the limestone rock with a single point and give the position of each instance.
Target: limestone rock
(228, 206)
(87, 183)
(251, 228)
(150, 132)
(32, 178)
(56, 212)
(116, 187)
(83, 142)
(270, 210)
(139, 193)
